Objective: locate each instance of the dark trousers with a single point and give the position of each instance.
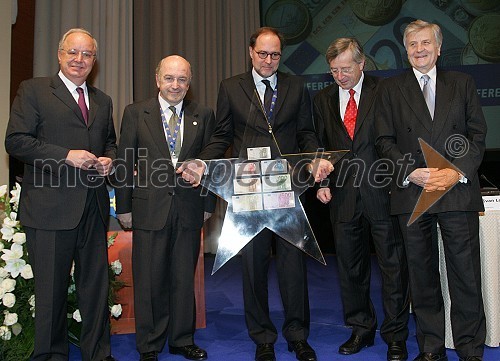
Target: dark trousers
(51, 256)
(163, 266)
(460, 237)
(292, 280)
(352, 245)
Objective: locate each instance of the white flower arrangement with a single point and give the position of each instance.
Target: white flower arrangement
(17, 299)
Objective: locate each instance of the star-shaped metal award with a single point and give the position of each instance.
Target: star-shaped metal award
(262, 188)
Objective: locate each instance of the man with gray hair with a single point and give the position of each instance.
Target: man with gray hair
(359, 204)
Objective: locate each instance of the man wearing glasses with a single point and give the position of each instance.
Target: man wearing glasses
(359, 204)
(62, 128)
(266, 109)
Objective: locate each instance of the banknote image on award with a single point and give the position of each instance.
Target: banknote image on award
(262, 186)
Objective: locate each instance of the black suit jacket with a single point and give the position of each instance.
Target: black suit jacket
(143, 147)
(457, 132)
(45, 124)
(242, 123)
(356, 173)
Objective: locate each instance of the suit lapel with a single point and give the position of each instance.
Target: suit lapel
(334, 105)
(191, 126)
(365, 101)
(93, 106)
(413, 95)
(152, 118)
(444, 96)
(61, 92)
(283, 86)
(248, 87)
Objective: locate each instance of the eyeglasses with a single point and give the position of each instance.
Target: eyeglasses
(73, 53)
(345, 71)
(171, 79)
(265, 54)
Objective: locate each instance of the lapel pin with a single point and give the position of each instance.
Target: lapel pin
(195, 123)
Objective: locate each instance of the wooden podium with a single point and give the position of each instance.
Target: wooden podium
(122, 250)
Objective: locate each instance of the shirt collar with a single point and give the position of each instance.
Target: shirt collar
(273, 79)
(70, 85)
(164, 104)
(431, 73)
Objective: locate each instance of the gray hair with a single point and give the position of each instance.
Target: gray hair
(418, 25)
(340, 45)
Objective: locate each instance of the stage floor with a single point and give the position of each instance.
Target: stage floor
(225, 338)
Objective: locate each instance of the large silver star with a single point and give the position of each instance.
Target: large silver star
(262, 194)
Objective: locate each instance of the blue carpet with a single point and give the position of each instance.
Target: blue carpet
(225, 338)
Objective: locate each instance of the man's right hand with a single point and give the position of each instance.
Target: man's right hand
(81, 159)
(324, 195)
(125, 220)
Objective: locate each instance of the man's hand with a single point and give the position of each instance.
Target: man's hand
(320, 169)
(442, 179)
(104, 165)
(324, 195)
(420, 176)
(125, 220)
(192, 171)
(81, 159)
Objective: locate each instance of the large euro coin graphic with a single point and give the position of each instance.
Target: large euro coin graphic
(376, 12)
(480, 7)
(291, 18)
(484, 36)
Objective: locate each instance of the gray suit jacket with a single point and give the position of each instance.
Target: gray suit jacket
(457, 132)
(143, 147)
(45, 124)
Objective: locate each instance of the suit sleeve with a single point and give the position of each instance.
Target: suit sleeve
(306, 136)
(21, 140)
(125, 162)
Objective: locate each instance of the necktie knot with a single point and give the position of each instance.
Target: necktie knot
(82, 105)
(351, 92)
(425, 78)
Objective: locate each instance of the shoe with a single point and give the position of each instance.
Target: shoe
(354, 344)
(190, 352)
(265, 352)
(396, 351)
(109, 358)
(303, 351)
(149, 356)
(471, 358)
(429, 356)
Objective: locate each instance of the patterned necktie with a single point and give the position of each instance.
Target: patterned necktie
(174, 132)
(351, 112)
(268, 95)
(428, 96)
(82, 105)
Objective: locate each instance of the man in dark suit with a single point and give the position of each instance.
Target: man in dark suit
(64, 208)
(441, 108)
(359, 204)
(165, 212)
(244, 121)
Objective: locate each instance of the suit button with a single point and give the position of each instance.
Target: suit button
(92, 178)
(354, 175)
(419, 151)
(355, 155)
(409, 129)
(170, 193)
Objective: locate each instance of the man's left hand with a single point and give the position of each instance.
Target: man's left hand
(320, 169)
(441, 179)
(104, 165)
(192, 171)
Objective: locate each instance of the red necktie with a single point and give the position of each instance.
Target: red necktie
(351, 112)
(82, 105)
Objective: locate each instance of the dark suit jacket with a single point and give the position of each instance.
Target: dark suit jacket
(355, 174)
(45, 124)
(143, 147)
(241, 121)
(457, 132)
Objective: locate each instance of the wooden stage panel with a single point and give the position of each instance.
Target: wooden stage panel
(122, 250)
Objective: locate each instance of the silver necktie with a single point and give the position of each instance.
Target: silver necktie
(428, 95)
